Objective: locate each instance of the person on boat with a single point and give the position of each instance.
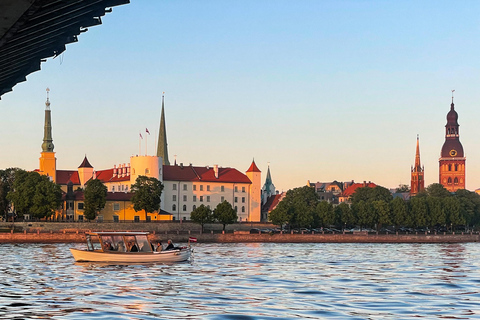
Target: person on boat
(108, 246)
(170, 245)
(159, 246)
(133, 247)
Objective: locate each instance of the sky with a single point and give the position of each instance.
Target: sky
(320, 90)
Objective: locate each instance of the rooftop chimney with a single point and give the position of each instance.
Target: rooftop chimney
(215, 170)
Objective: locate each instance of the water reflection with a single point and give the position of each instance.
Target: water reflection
(251, 281)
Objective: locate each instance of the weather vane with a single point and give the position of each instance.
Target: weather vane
(452, 94)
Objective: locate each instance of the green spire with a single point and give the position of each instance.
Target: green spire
(47, 145)
(162, 150)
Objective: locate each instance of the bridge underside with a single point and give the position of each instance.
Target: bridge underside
(33, 30)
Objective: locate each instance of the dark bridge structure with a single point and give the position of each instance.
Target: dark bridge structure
(33, 30)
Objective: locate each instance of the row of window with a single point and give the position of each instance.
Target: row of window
(184, 208)
(450, 167)
(120, 188)
(185, 187)
(185, 198)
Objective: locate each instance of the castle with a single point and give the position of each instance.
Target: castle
(185, 187)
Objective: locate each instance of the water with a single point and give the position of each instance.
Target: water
(247, 281)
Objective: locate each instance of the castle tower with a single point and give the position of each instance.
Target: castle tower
(268, 187)
(417, 181)
(452, 159)
(255, 193)
(48, 162)
(85, 171)
(162, 150)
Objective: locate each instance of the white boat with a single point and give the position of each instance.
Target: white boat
(132, 247)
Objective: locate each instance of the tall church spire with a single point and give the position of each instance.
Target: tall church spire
(417, 156)
(417, 180)
(162, 150)
(47, 145)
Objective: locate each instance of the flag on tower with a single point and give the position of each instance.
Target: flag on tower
(146, 130)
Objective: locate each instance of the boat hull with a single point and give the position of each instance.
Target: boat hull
(133, 257)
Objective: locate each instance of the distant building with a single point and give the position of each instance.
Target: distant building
(347, 193)
(329, 191)
(417, 174)
(271, 204)
(268, 189)
(452, 172)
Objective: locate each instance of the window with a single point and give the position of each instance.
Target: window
(208, 198)
(147, 171)
(194, 207)
(236, 199)
(184, 219)
(123, 187)
(174, 207)
(222, 199)
(116, 206)
(456, 167)
(243, 208)
(184, 187)
(184, 198)
(194, 187)
(115, 218)
(136, 219)
(236, 189)
(126, 188)
(243, 199)
(80, 206)
(222, 188)
(113, 188)
(201, 187)
(236, 209)
(149, 218)
(449, 180)
(194, 198)
(243, 189)
(184, 207)
(174, 197)
(80, 217)
(449, 167)
(455, 180)
(208, 188)
(201, 198)
(174, 186)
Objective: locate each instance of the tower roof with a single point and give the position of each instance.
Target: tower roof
(253, 167)
(452, 116)
(162, 150)
(85, 163)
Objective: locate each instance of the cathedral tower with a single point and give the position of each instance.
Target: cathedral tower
(48, 162)
(162, 150)
(417, 181)
(452, 159)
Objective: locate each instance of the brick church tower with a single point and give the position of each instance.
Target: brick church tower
(417, 181)
(452, 159)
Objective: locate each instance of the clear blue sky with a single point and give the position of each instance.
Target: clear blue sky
(323, 90)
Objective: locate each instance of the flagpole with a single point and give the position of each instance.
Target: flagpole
(146, 144)
(140, 144)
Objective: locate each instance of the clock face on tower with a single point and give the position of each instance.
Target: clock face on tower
(453, 153)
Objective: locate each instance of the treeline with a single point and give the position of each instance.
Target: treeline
(376, 207)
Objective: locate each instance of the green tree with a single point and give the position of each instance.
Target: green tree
(297, 208)
(34, 194)
(347, 218)
(146, 194)
(368, 194)
(364, 213)
(419, 211)
(95, 198)
(399, 210)
(452, 209)
(436, 212)
(469, 206)
(225, 214)
(382, 212)
(325, 213)
(202, 215)
(402, 188)
(437, 190)
(7, 177)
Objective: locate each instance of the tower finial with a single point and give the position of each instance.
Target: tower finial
(47, 103)
(452, 94)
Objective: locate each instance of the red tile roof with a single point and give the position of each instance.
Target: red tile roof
(107, 176)
(204, 174)
(351, 189)
(253, 167)
(272, 202)
(63, 176)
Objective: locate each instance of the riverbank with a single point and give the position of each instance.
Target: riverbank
(242, 237)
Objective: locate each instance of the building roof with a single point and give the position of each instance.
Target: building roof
(351, 189)
(85, 163)
(253, 167)
(272, 202)
(63, 176)
(203, 174)
(108, 176)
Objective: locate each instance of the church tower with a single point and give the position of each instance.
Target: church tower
(452, 159)
(48, 162)
(268, 187)
(162, 150)
(417, 181)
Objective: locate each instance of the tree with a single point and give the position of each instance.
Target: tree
(202, 215)
(7, 177)
(436, 212)
(325, 213)
(402, 188)
(399, 212)
(382, 212)
(225, 214)
(371, 194)
(364, 213)
(34, 194)
(437, 190)
(452, 209)
(95, 198)
(146, 194)
(347, 218)
(297, 208)
(419, 211)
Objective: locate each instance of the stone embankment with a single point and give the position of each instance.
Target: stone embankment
(180, 232)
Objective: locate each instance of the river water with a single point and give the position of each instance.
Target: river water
(247, 281)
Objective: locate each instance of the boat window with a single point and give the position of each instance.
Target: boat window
(119, 244)
(130, 242)
(143, 243)
(107, 243)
